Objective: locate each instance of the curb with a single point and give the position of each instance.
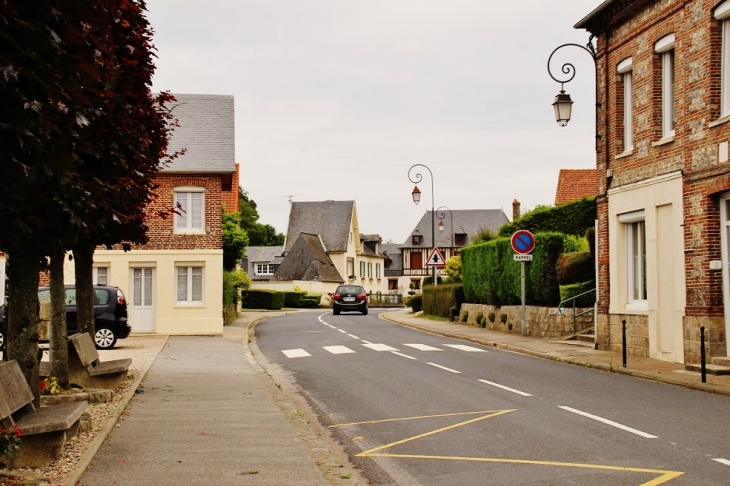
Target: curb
(703, 387)
(88, 456)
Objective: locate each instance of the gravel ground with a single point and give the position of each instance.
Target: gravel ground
(143, 350)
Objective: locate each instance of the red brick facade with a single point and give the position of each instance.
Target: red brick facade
(229, 191)
(626, 28)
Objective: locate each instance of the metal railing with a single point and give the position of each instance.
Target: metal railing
(381, 298)
(561, 309)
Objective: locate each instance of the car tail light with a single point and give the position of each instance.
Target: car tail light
(120, 297)
(337, 297)
(362, 297)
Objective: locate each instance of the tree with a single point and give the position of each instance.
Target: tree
(258, 234)
(453, 269)
(235, 240)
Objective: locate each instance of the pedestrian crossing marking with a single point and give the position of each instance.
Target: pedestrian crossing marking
(423, 347)
(295, 353)
(338, 349)
(464, 347)
(380, 347)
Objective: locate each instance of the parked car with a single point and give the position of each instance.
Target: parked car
(349, 298)
(110, 314)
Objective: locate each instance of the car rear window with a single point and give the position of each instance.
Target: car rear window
(101, 297)
(350, 289)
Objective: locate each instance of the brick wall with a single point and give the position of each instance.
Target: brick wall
(229, 192)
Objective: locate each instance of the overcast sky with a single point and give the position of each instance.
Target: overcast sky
(336, 99)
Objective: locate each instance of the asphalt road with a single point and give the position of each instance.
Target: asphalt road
(412, 408)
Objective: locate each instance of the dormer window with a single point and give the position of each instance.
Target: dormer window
(459, 239)
(416, 239)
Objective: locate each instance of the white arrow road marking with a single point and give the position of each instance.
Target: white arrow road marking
(722, 461)
(338, 349)
(464, 347)
(444, 368)
(423, 347)
(295, 353)
(610, 422)
(380, 347)
(506, 388)
(403, 355)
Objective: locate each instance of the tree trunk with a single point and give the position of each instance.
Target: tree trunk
(22, 315)
(83, 264)
(57, 331)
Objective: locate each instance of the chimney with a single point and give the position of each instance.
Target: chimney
(515, 210)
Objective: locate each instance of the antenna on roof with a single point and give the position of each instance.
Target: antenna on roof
(291, 197)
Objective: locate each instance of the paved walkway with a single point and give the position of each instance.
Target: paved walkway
(209, 413)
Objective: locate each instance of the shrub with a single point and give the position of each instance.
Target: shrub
(573, 218)
(479, 318)
(503, 318)
(234, 282)
(439, 300)
(464, 316)
(429, 280)
(263, 299)
(415, 302)
(575, 267)
(293, 298)
(568, 291)
(310, 301)
(230, 314)
(491, 316)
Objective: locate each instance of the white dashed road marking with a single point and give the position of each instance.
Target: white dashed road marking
(380, 347)
(610, 422)
(444, 368)
(295, 353)
(722, 461)
(403, 355)
(338, 349)
(423, 347)
(366, 342)
(353, 336)
(506, 388)
(343, 332)
(464, 347)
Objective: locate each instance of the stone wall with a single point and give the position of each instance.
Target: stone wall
(539, 321)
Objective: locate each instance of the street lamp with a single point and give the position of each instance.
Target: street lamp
(416, 195)
(441, 216)
(563, 104)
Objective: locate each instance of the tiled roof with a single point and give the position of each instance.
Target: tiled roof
(206, 132)
(468, 221)
(307, 259)
(262, 254)
(332, 220)
(576, 184)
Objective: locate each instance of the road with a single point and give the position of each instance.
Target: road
(413, 408)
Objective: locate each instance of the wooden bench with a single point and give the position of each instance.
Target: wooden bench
(85, 369)
(44, 430)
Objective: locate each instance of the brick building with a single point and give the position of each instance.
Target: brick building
(663, 84)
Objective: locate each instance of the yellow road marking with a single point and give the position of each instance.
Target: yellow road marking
(664, 476)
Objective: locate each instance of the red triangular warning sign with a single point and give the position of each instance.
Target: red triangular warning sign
(435, 259)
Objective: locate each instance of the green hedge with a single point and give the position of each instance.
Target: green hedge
(415, 302)
(491, 276)
(263, 299)
(573, 218)
(442, 299)
(310, 301)
(293, 298)
(575, 267)
(568, 291)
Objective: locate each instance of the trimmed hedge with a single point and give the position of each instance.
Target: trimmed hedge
(575, 267)
(310, 301)
(263, 299)
(440, 300)
(491, 276)
(573, 218)
(293, 298)
(568, 291)
(415, 302)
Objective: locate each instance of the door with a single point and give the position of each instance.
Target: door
(725, 244)
(141, 307)
(416, 259)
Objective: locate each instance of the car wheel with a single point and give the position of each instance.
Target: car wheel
(2, 339)
(365, 311)
(336, 312)
(105, 338)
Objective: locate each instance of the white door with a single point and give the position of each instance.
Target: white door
(141, 305)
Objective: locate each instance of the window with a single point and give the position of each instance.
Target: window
(624, 69)
(264, 269)
(415, 284)
(190, 284)
(350, 267)
(377, 271)
(416, 239)
(370, 270)
(460, 239)
(362, 269)
(101, 275)
(665, 47)
(635, 256)
(189, 217)
(722, 13)
(392, 284)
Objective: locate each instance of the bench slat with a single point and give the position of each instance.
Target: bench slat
(85, 348)
(53, 418)
(15, 390)
(114, 366)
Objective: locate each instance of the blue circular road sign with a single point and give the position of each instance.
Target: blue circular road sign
(523, 242)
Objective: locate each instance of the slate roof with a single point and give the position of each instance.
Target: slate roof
(206, 132)
(470, 220)
(371, 245)
(332, 220)
(307, 259)
(576, 184)
(263, 253)
(392, 252)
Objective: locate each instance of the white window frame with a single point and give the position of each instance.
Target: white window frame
(184, 220)
(665, 47)
(636, 284)
(192, 270)
(625, 68)
(362, 269)
(96, 270)
(722, 13)
(264, 269)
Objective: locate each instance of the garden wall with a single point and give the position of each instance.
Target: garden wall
(540, 321)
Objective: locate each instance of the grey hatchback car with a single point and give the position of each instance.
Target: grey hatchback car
(350, 298)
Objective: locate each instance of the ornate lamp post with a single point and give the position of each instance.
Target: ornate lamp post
(563, 104)
(416, 194)
(441, 216)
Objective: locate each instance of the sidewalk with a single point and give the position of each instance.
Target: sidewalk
(551, 348)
